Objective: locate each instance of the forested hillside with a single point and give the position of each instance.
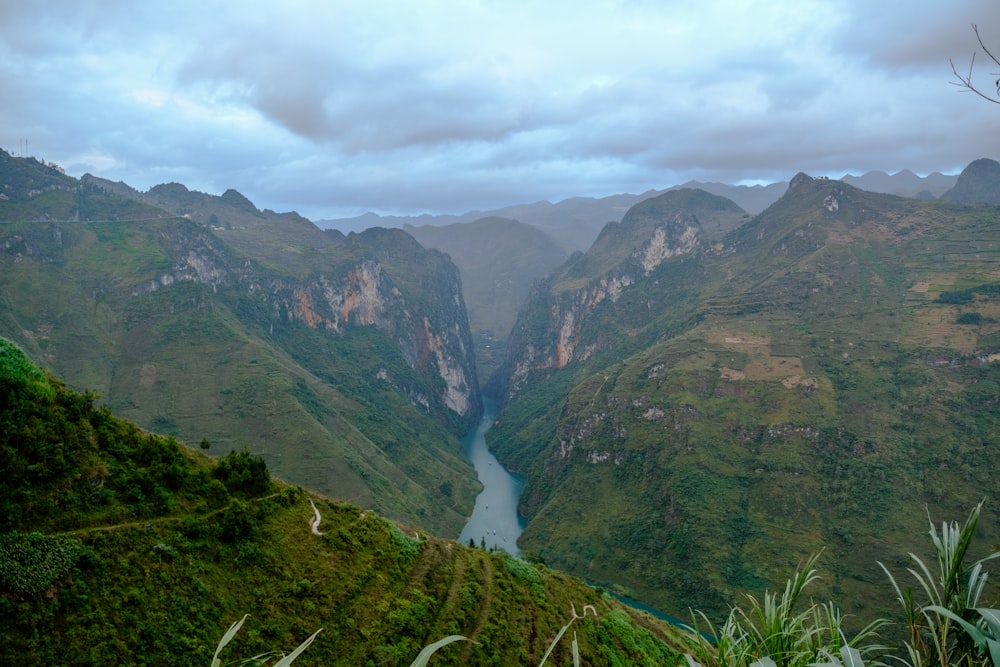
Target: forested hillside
(120, 546)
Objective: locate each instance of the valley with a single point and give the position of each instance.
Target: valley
(696, 404)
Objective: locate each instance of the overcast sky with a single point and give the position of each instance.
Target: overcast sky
(335, 108)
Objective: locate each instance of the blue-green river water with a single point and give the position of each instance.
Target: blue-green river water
(494, 520)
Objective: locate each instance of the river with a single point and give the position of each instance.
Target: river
(494, 519)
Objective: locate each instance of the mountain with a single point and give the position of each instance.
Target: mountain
(904, 183)
(571, 223)
(347, 363)
(694, 412)
(979, 183)
(499, 259)
(574, 223)
(123, 547)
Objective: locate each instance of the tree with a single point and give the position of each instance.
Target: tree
(965, 80)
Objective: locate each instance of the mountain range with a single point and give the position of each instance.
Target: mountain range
(698, 401)
(701, 399)
(574, 223)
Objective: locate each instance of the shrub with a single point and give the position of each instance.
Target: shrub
(969, 318)
(243, 473)
(31, 563)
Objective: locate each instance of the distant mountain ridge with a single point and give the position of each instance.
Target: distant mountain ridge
(574, 223)
(499, 260)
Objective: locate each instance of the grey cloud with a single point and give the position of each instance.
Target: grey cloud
(921, 33)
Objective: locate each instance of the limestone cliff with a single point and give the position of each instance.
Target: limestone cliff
(552, 332)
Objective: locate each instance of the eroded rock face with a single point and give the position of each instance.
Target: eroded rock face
(561, 342)
(430, 330)
(437, 342)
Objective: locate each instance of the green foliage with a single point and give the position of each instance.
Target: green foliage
(944, 629)
(776, 628)
(522, 569)
(958, 297)
(18, 373)
(32, 563)
(163, 549)
(408, 547)
(243, 474)
(951, 592)
(62, 456)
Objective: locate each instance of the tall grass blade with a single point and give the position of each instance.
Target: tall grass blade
(555, 641)
(430, 649)
(576, 616)
(851, 657)
(226, 638)
(287, 660)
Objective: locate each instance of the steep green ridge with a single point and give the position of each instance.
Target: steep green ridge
(690, 427)
(120, 546)
(346, 363)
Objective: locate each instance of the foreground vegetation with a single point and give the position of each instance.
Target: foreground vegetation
(948, 628)
(119, 546)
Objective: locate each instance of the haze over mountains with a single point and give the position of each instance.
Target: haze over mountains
(574, 223)
(704, 379)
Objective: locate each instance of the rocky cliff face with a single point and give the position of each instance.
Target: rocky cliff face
(428, 325)
(625, 253)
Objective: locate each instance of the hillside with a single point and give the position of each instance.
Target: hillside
(119, 546)
(692, 414)
(345, 362)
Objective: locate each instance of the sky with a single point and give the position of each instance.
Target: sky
(335, 108)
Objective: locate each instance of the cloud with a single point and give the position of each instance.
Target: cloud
(398, 106)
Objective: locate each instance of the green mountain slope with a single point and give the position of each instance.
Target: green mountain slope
(691, 425)
(345, 362)
(120, 546)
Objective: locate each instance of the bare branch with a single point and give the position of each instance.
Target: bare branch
(975, 29)
(965, 81)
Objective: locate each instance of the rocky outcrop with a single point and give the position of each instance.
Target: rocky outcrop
(624, 255)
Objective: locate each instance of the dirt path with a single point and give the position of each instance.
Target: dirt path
(149, 523)
(314, 522)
